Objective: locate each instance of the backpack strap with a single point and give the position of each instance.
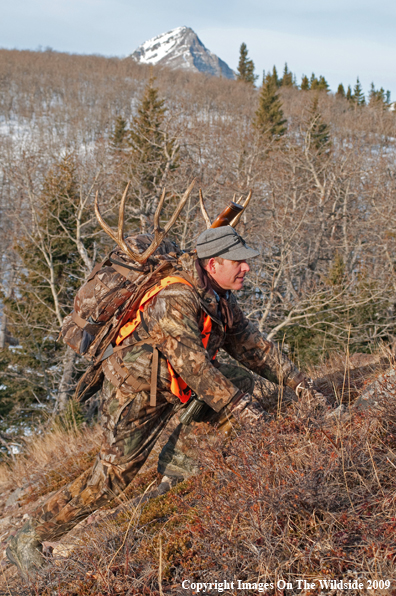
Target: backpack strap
(122, 376)
(84, 324)
(154, 375)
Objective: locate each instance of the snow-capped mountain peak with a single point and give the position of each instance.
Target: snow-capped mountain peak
(182, 48)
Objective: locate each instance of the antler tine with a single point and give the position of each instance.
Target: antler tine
(102, 222)
(159, 236)
(179, 208)
(236, 219)
(233, 198)
(203, 209)
(118, 239)
(121, 215)
(158, 211)
(240, 199)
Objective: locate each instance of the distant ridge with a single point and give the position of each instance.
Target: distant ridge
(182, 48)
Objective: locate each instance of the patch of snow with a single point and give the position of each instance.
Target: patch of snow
(182, 48)
(157, 48)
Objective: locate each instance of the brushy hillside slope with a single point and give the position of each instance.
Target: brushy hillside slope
(322, 215)
(299, 496)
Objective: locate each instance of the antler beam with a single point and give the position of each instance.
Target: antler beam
(159, 234)
(203, 209)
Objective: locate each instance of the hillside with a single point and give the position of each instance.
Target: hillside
(323, 219)
(299, 496)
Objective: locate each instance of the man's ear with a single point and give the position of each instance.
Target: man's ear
(211, 266)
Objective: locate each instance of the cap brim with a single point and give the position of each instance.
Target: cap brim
(240, 253)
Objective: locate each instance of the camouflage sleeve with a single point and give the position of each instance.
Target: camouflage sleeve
(245, 343)
(172, 318)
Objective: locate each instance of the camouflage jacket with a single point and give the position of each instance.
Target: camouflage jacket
(174, 320)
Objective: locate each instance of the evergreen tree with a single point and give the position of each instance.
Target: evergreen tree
(151, 158)
(377, 97)
(304, 83)
(349, 93)
(340, 91)
(358, 95)
(152, 152)
(287, 79)
(269, 120)
(323, 84)
(318, 84)
(274, 77)
(318, 130)
(313, 83)
(245, 67)
(119, 135)
(49, 273)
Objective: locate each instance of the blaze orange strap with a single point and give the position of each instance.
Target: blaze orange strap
(130, 327)
(207, 328)
(178, 386)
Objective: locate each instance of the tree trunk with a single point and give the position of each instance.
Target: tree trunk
(66, 382)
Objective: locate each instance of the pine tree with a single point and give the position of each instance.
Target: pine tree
(377, 97)
(287, 79)
(340, 91)
(148, 141)
(319, 131)
(318, 84)
(304, 83)
(358, 95)
(349, 93)
(313, 83)
(245, 67)
(151, 158)
(119, 135)
(49, 273)
(274, 77)
(323, 84)
(269, 120)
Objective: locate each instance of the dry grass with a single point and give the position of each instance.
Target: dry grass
(51, 460)
(298, 496)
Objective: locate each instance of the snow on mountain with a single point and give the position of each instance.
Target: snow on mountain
(182, 48)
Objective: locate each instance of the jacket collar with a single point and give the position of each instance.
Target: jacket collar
(209, 299)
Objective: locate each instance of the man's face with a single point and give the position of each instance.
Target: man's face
(229, 275)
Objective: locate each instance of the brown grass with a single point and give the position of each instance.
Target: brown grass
(296, 497)
(51, 460)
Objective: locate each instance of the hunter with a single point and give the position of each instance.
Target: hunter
(178, 331)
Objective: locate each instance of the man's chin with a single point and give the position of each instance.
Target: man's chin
(238, 285)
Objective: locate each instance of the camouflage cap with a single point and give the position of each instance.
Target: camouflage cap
(224, 242)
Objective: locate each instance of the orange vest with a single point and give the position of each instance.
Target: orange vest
(178, 387)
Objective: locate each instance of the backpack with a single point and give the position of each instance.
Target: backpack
(112, 293)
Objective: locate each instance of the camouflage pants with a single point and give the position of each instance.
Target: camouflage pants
(131, 429)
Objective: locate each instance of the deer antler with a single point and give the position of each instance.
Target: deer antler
(236, 219)
(159, 234)
(203, 209)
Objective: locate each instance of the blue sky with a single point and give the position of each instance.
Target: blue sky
(341, 39)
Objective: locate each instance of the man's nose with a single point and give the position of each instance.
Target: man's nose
(245, 267)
